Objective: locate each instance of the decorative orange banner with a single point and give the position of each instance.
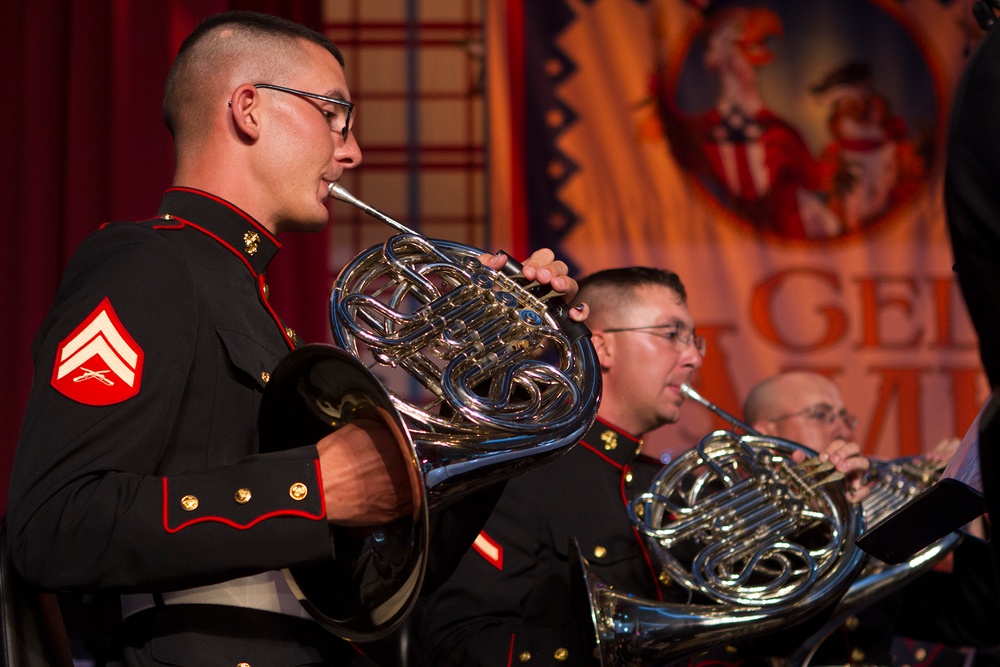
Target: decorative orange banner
(786, 159)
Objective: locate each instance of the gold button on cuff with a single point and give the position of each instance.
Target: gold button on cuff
(267, 291)
(561, 654)
(243, 496)
(265, 376)
(851, 623)
(857, 655)
(664, 578)
(920, 654)
(731, 649)
(600, 552)
(298, 491)
(628, 478)
(524, 657)
(167, 216)
(189, 503)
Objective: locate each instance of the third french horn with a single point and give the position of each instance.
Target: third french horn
(742, 569)
(759, 540)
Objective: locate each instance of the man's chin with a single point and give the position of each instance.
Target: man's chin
(671, 417)
(304, 226)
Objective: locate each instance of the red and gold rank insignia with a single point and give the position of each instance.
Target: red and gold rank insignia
(98, 363)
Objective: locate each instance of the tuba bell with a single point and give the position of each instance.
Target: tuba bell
(491, 407)
(758, 541)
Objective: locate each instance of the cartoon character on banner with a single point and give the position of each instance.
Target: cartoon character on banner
(756, 162)
(869, 165)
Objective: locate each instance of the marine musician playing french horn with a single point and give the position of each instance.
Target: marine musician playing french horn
(139, 472)
(512, 599)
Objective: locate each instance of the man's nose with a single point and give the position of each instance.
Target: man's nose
(349, 154)
(842, 430)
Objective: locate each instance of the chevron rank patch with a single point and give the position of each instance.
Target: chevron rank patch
(489, 549)
(98, 363)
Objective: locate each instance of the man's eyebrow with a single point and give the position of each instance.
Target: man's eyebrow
(675, 322)
(337, 94)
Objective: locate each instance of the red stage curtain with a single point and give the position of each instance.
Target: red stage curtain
(83, 143)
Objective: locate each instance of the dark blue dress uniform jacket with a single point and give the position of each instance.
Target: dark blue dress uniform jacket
(140, 494)
(511, 601)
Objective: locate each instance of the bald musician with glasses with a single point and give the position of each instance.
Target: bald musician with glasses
(808, 408)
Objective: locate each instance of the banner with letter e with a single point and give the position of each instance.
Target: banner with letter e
(784, 157)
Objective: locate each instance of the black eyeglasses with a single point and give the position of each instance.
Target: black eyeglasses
(823, 413)
(333, 118)
(679, 336)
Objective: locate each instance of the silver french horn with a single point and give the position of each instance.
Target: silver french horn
(758, 541)
(892, 483)
(493, 406)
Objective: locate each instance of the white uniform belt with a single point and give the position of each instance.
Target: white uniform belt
(267, 591)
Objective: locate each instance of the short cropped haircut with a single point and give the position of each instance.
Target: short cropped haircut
(631, 277)
(610, 289)
(181, 83)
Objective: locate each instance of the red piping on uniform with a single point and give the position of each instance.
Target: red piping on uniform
(274, 315)
(510, 651)
(243, 214)
(625, 470)
(319, 481)
(187, 223)
(259, 276)
(612, 462)
(615, 428)
(642, 545)
(233, 524)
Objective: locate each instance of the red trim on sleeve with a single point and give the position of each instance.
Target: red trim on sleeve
(229, 522)
(510, 651)
(322, 489)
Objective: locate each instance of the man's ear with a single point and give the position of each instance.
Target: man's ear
(764, 427)
(244, 106)
(605, 348)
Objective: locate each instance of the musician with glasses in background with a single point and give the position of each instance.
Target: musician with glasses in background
(512, 599)
(808, 408)
(138, 470)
